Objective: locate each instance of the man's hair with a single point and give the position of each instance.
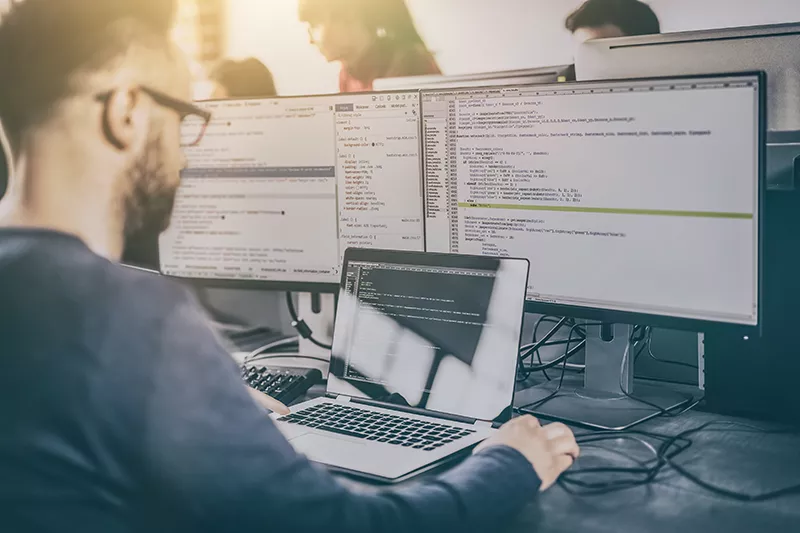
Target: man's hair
(631, 16)
(248, 78)
(45, 45)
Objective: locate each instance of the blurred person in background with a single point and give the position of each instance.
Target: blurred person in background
(372, 39)
(605, 19)
(248, 78)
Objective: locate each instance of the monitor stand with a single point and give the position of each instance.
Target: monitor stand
(318, 311)
(598, 402)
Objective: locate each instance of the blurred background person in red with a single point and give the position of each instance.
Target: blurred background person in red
(372, 39)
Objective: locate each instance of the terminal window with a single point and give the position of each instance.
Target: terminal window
(279, 188)
(633, 196)
(431, 337)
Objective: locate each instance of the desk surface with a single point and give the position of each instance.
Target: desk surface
(731, 457)
(749, 462)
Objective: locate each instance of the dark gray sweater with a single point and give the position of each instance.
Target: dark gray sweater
(120, 411)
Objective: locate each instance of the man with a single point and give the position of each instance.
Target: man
(120, 411)
(604, 19)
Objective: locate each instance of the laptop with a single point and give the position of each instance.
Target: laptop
(423, 363)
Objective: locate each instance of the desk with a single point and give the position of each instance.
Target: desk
(745, 462)
(748, 462)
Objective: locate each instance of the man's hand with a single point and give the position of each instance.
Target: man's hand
(268, 402)
(550, 449)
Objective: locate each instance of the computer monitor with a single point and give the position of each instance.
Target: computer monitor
(482, 79)
(774, 49)
(279, 188)
(636, 201)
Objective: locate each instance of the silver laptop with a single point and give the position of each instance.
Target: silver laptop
(423, 362)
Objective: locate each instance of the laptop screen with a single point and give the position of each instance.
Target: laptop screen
(441, 337)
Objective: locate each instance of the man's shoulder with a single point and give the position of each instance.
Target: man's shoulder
(62, 267)
(147, 287)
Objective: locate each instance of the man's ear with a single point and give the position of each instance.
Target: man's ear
(6, 162)
(125, 118)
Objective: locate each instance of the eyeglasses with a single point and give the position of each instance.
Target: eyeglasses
(194, 119)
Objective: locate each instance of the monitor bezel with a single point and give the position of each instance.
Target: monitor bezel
(606, 315)
(316, 287)
(497, 78)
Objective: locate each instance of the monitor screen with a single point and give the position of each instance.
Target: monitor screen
(774, 49)
(432, 333)
(279, 188)
(628, 196)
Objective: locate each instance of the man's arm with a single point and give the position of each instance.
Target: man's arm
(212, 454)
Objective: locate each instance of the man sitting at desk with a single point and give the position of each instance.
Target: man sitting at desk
(120, 410)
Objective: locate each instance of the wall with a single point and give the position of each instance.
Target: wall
(685, 15)
(478, 35)
(468, 35)
(269, 30)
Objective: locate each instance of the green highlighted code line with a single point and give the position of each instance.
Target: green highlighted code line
(609, 210)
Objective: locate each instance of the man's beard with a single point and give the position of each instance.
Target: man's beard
(147, 206)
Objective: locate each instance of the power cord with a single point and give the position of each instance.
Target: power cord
(649, 346)
(524, 371)
(688, 400)
(640, 334)
(282, 343)
(716, 489)
(568, 352)
(301, 326)
(287, 356)
(583, 481)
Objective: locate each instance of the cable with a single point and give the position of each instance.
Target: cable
(579, 481)
(639, 352)
(563, 360)
(524, 371)
(639, 334)
(649, 345)
(549, 343)
(555, 362)
(268, 347)
(530, 349)
(721, 491)
(549, 335)
(301, 326)
(288, 356)
(661, 410)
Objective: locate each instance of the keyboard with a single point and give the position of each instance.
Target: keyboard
(375, 426)
(284, 384)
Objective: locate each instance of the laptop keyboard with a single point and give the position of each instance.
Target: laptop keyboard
(375, 426)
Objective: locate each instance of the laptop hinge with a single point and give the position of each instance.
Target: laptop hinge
(414, 410)
(343, 399)
(482, 424)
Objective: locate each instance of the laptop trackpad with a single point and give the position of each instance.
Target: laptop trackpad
(331, 450)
